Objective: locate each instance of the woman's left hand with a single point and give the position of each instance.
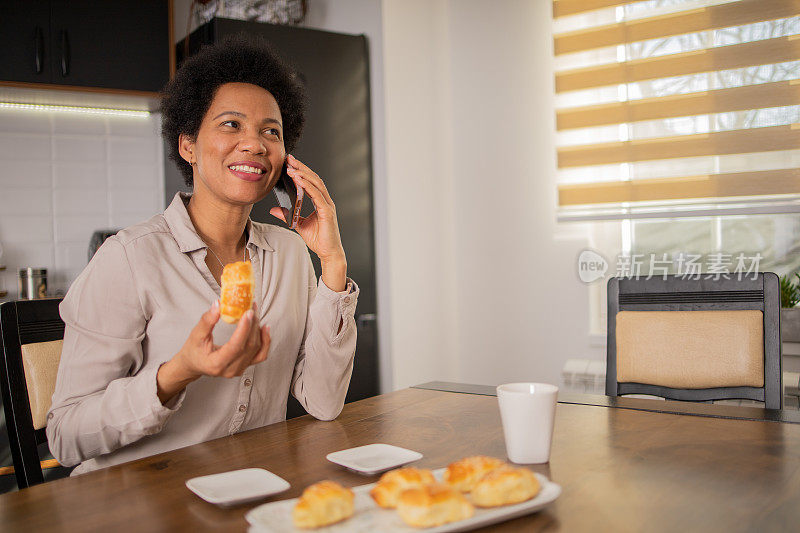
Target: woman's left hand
(319, 230)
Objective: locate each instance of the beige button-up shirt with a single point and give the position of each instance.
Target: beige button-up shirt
(132, 309)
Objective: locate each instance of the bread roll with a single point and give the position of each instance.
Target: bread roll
(391, 484)
(322, 504)
(504, 486)
(433, 505)
(237, 291)
(462, 475)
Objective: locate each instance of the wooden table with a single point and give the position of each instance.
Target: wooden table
(621, 468)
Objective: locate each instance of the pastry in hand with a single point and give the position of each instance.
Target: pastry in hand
(504, 486)
(388, 488)
(462, 475)
(237, 291)
(322, 504)
(433, 504)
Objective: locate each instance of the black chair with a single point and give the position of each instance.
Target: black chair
(634, 298)
(28, 326)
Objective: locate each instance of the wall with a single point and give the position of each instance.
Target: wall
(522, 309)
(63, 176)
(423, 271)
(484, 287)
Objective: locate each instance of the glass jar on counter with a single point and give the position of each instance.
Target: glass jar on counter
(32, 283)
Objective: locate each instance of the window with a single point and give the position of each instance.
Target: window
(679, 130)
(677, 108)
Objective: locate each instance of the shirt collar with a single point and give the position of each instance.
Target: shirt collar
(257, 237)
(186, 236)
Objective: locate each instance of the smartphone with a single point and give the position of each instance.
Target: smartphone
(289, 197)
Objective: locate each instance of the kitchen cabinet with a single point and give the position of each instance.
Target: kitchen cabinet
(124, 44)
(24, 31)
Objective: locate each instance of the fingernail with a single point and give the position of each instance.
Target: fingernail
(215, 305)
(290, 155)
(249, 314)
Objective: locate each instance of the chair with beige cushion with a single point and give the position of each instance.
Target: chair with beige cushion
(31, 332)
(695, 339)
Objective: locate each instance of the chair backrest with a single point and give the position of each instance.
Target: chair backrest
(31, 332)
(695, 339)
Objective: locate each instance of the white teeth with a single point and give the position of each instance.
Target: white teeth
(245, 168)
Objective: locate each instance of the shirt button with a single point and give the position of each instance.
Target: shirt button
(242, 408)
(247, 382)
(49, 416)
(347, 299)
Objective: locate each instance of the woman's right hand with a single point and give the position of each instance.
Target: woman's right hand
(199, 356)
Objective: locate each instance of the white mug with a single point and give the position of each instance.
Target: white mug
(527, 411)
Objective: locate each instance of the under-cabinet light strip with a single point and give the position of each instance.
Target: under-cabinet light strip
(76, 109)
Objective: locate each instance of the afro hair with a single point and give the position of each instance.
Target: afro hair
(240, 58)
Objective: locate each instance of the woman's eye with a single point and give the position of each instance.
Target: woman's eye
(230, 123)
(273, 131)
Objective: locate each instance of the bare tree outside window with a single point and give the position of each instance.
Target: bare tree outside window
(776, 237)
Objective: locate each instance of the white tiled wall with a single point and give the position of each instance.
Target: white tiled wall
(62, 177)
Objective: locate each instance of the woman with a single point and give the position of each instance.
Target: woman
(139, 374)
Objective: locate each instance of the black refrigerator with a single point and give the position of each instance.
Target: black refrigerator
(336, 143)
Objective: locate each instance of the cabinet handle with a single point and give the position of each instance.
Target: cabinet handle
(64, 53)
(366, 318)
(38, 45)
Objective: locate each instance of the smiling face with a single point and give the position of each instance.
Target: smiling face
(238, 154)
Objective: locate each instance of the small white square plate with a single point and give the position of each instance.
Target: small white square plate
(373, 458)
(237, 486)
